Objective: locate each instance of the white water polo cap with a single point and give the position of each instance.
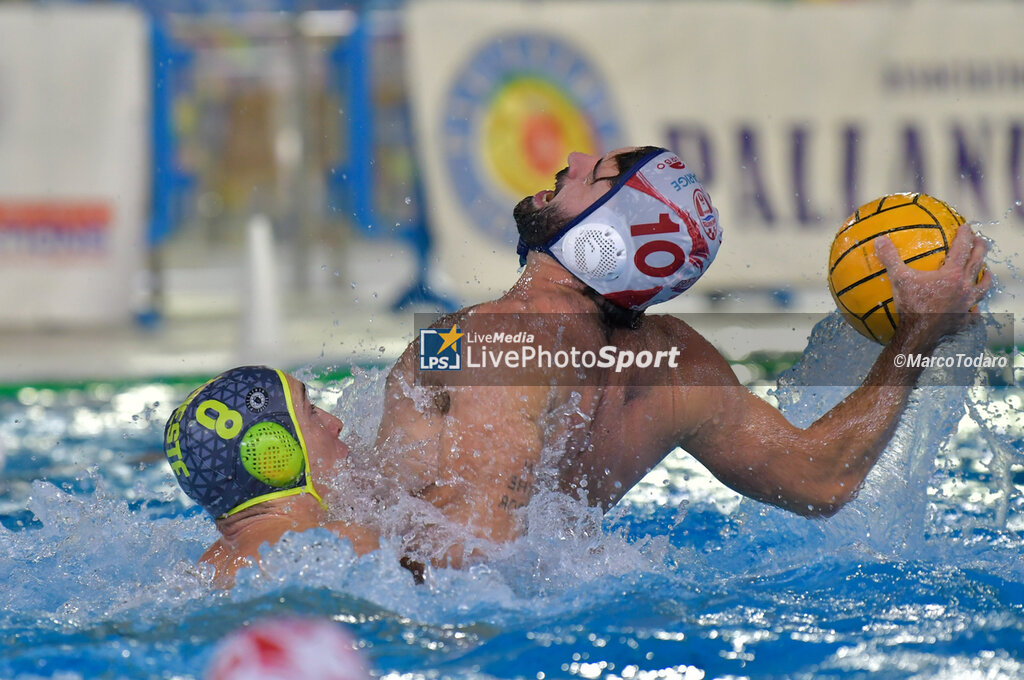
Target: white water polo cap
(645, 241)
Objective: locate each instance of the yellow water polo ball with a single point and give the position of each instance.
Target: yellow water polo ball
(922, 229)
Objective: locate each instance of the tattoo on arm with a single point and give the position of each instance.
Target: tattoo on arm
(520, 490)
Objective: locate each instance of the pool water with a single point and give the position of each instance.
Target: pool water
(921, 577)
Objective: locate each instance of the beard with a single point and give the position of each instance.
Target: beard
(536, 225)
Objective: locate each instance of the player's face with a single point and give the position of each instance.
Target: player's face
(320, 430)
(585, 179)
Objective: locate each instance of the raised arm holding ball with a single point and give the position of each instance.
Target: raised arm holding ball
(480, 453)
(618, 233)
(748, 445)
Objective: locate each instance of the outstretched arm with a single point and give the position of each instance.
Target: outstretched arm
(751, 447)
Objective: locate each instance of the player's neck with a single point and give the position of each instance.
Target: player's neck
(544, 273)
(293, 513)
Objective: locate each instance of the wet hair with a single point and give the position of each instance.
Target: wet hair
(627, 159)
(538, 226)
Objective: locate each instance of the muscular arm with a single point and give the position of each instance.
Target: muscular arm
(749, 446)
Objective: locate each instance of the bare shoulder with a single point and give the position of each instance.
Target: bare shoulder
(670, 327)
(503, 305)
(406, 363)
(692, 382)
(216, 553)
(699, 363)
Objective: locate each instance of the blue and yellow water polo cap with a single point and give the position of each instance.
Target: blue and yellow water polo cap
(235, 442)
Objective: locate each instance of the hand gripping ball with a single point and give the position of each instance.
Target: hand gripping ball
(922, 229)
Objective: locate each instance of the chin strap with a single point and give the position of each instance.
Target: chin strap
(522, 250)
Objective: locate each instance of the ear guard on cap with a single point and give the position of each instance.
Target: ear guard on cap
(270, 454)
(593, 251)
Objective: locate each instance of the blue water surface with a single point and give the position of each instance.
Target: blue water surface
(921, 577)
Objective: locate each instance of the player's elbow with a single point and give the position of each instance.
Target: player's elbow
(820, 510)
(825, 501)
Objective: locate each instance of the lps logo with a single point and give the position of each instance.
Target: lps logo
(440, 350)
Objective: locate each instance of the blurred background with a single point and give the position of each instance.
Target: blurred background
(191, 184)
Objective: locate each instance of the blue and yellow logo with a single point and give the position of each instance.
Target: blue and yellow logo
(440, 350)
(521, 104)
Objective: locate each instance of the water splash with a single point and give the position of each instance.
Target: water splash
(893, 516)
(107, 566)
(92, 556)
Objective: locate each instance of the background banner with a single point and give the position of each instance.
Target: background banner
(74, 170)
(791, 114)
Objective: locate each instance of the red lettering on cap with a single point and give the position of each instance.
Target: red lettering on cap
(659, 246)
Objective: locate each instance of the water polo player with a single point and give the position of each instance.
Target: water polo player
(619, 233)
(253, 451)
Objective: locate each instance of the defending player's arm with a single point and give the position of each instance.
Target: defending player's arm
(750, 446)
